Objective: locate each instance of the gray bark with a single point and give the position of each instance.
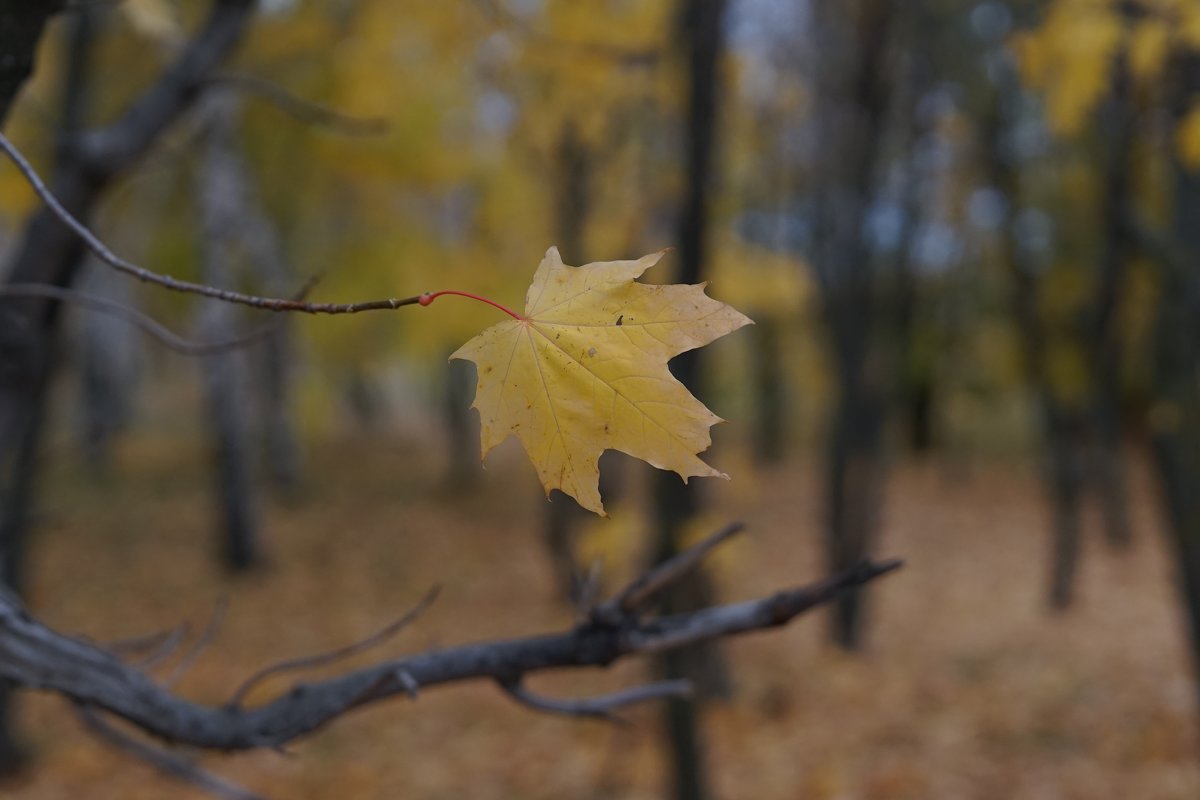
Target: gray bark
(36, 657)
(1175, 417)
(852, 43)
(219, 186)
(49, 254)
(702, 37)
(109, 353)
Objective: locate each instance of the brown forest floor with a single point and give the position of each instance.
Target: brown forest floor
(969, 688)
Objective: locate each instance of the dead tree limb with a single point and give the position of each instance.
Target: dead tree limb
(35, 657)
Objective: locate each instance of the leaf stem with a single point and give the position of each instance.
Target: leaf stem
(429, 297)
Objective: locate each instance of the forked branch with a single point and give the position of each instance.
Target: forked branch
(34, 656)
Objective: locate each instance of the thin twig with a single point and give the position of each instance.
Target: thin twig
(166, 281)
(143, 322)
(300, 108)
(172, 764)
(601, 707)
(133, 645)
(640, 592)
(33, 655)
(321, 659)
(164, 652)
(587, 588)
(201, 644)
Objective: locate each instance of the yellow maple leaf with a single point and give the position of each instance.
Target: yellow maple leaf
(584, 370)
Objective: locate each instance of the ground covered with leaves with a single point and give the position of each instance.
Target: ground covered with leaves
(969, 688)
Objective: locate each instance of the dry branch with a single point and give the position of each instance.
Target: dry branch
(36, 657)
(146, 324)
(171, 764)
(110, 258)
(322, 659)
(301, 109)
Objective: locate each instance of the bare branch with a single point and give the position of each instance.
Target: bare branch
(164, 652)
(601, 707)
(166, 281)
(321, 659)
(640, 592)
(34, 656)
(172, 764)
(148, 325)
(304, 110)
(201, 644)
(113, 150)
(147, 642)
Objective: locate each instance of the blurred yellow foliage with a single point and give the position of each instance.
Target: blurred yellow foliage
(1187, 137)
(1148, 46)
(1069, 58)
(759, 281)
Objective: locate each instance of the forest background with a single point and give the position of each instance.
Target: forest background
(968, 236)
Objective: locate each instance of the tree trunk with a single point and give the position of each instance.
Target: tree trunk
(220, 207)
(770, 430)
(28, 345)
(462, 426)
(274, 358)
(1108, 474)
(852, 46)
(573, 166)
(110, 365)
(1175, 416)
(702, 37)
(21, 25)
(1066, 482)
(1062, 426)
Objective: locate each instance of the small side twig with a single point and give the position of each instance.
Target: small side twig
(134, 645)
(201, 644)
(321, 659)
(171, 764)
(587, 589)
(106, 255)
(641, 591)
(601, 707)
(298, 107)
(146, 324)
(165, 650)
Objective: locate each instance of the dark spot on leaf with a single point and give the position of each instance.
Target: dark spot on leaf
(620, 318)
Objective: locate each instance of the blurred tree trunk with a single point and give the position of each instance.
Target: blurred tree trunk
(21, 26)
(110, 365)
(462, 425)
(850, 40)
(913, 381)
(1175, 415)
(1083, 440)
(28, 344)
(220, 184)
(275, 356)
(573, 169)
(766, 363)
(702, 39)
(1063, 426)
(1108, 473)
